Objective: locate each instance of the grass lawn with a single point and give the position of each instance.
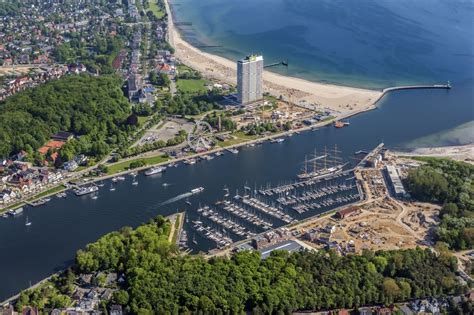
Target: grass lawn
(142, 120)
(177, 223)
(239, 137)
(153, 7)
(191, 85)
(47, 192)
(123, 166)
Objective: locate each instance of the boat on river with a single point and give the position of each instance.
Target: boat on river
(155, 170)
(81, 191)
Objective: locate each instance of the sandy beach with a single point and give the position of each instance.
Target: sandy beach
(344, 100)
(460, 153)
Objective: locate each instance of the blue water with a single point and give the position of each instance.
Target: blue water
(370, 43)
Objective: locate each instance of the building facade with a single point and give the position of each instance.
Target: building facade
(250, 79)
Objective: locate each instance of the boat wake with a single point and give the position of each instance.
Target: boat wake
(177, 198)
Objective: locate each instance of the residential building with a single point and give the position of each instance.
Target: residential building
(250, 79)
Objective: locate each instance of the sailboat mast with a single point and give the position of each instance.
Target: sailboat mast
(314, 161)
(325, 158)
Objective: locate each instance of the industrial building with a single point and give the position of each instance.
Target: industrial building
(250, 79)
(395, 181)
(289, 246)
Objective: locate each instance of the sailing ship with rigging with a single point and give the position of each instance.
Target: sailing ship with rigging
(319, 166)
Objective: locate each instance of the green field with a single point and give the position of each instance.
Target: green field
(156, 9)
(123, 166)
(191, 85)
(239, 137)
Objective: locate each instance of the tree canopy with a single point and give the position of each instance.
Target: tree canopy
(162, 282)
(450, 183)
(93, 108)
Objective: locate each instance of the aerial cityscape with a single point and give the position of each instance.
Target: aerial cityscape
(236, 157)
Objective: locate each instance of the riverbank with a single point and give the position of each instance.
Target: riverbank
(342, 99)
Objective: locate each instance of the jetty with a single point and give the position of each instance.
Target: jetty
(372, 154)
(413, 87)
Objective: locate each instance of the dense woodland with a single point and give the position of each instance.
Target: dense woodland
(450, 183)
(159, 280)
(189, 104)
(93, 108)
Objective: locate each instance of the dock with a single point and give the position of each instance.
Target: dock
(370, 155)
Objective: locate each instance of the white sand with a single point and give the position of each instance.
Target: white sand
(460, 153)
(342, 99)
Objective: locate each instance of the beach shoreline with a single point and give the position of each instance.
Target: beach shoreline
(343, 100)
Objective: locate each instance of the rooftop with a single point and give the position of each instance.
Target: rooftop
(290, 246)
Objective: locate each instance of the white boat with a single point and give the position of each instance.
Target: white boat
(190, 161)
(197, 190)
(278, 140)
(155, 170)
(118, 178)
(27, 223)
(86, 190)
(16, 211)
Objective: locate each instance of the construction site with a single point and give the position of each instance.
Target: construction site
(383, 220)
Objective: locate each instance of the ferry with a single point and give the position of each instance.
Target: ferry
(86, 190)
(155, 170)
(197, 190)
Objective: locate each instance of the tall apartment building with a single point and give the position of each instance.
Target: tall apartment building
(250, 79)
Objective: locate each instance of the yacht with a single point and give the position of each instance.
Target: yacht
(190, 161)
(277, 140)
(86, 190)
(197, 190)
(28, 222)
(16, 212)
(155, 170)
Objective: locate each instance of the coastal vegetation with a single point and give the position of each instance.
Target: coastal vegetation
(94, 109)
(160, 281)
(451, 184)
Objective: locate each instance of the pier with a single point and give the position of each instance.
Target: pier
(412, 87)
(371, 155)
(281, 63)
